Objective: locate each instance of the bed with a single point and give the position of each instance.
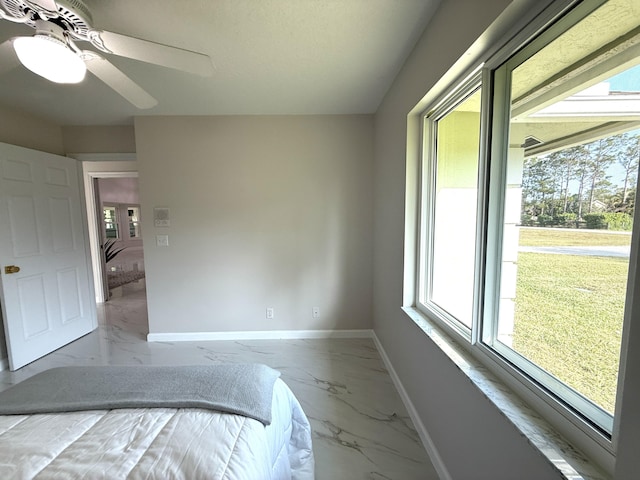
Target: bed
(135, 435)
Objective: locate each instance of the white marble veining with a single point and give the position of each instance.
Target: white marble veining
(569, 462)
(361, 429)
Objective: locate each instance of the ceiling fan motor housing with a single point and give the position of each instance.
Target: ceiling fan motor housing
(50, 29)
(65, 22)
(73, 12)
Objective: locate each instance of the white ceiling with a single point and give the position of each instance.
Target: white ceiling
(270, 57)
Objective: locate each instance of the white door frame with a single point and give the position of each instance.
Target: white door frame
(101, 165)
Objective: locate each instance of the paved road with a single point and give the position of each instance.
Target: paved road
(602, 251)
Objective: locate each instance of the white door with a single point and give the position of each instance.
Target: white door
(49, 301)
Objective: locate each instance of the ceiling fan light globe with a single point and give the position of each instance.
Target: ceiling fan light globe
(50, 58)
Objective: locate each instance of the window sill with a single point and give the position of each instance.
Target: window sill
(567, 461)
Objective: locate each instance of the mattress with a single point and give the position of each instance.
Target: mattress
(159, 443)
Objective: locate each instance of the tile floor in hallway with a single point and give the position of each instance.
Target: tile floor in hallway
(361, 429)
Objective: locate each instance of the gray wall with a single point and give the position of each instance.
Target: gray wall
(119, 190)
(472, 437)
(24, 130)
(99, 139)
(265, 212)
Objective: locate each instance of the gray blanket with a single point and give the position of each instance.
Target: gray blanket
(243, 389)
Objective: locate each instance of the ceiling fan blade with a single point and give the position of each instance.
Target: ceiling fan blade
(151, 52)
(49, 7)
(8, 58)
(117, 80)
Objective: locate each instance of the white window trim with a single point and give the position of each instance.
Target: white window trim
(605, 432)
(571, 425)
(427, 206)
(529, 372)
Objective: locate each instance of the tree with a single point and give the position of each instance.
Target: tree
(549, 182)
(565, 162)
(602, 153)
(538, 185)
(581, 154)
(629, 162)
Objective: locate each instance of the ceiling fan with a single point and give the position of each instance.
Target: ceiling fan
(53, 54)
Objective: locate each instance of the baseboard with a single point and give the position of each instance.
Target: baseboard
(4, 364)
(257, 335)
(427, 441)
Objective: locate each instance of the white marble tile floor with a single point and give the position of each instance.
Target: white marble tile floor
(361, 429)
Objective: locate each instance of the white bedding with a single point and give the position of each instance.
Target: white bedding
(159, 443)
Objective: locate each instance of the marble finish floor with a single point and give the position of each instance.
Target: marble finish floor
(361, 429)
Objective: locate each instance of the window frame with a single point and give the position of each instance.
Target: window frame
(499, 78)
(122, 222)
(131, 223)
(115, 222)
(428, 177)
(494, 133)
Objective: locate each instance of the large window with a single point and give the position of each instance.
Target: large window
(525, 244)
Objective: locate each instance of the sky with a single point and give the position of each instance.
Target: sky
(627, 81)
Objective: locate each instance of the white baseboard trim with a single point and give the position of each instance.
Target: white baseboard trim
(427, 441)
(4, 364)
(257, 335)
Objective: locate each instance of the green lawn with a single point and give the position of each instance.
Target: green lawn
(538, 237)
(569, 311)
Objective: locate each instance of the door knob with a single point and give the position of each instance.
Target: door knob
(11, 269)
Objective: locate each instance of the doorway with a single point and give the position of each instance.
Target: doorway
(98, 168)
(120, 234)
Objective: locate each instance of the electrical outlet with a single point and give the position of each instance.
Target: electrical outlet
(315, 312)
(270, 313)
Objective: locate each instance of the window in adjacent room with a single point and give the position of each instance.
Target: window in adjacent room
(110, 219)
(133, 214)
